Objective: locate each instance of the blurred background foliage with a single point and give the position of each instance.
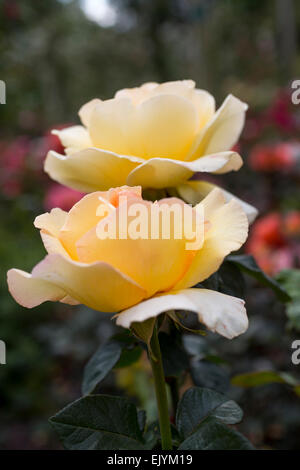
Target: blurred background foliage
(55, 56)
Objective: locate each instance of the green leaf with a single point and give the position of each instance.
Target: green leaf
(227, 280)
(119, 351)
(142, 419)
(247, 264)
(100, 364)
(214, 435)
(290, 279)
(196, 346)
(129, 356)
(210, 375)
(197, 404)
(99, 422)
(263, 377)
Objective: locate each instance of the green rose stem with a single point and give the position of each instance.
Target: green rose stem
(160, 391)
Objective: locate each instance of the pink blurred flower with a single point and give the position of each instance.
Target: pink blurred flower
(280, 113)
(61, 196)
(13, 163)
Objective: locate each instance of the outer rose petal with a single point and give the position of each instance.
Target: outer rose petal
(137, 94)
(86, 110)
(227, 232)
(51, 222)
(224, 129)
(97, 285)
(220, 313)
(205, 104)
(53, 244)
(110, 125)
(30, 292)
(194, 191)
(74, 138)
(183, 88)
(80, 219)
(164, 172)
(90, 169)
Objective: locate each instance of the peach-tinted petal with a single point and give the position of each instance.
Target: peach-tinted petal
(98, 285)
(223, 130)
(164, 172)
(90, 169)
(228, 229)
(51, 222)
(194, 191)
(53, 244)
(81, 218)
(29, 291)
(69, 301)
(220, 313)
(155, 264)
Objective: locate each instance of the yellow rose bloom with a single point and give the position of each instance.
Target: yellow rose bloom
(139, 278)
(156, 135)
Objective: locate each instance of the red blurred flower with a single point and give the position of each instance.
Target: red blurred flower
(61, 196)
(292, 223)
(11, 9)
(270, 241)
(268, 230)
(278, 157)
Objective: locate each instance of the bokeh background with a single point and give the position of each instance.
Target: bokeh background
(55, 56)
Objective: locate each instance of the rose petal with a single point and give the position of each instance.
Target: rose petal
(91, 169)
(194, 191)
(220, 313)
(228, 229)
(165, 126)
(110, 125)
(30, 292)
(97, 285)
(224, 129)
(81, 218)
(51, 222)
(74, 138)
(85, 112)
(164, 172)
(155, 264)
